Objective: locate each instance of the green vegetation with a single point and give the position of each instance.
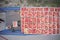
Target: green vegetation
(4, 1)
(50, 3)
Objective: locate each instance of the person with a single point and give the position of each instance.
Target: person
(1, 20)
(12, 28)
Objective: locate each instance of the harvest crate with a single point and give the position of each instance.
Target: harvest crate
(40, 20)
